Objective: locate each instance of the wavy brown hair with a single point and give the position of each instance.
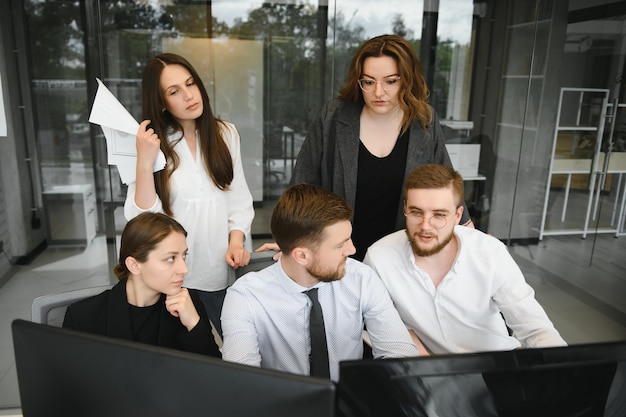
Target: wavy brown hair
(217, 158)
(141, 235)
(413, 94)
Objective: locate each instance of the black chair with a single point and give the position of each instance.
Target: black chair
(258, 261)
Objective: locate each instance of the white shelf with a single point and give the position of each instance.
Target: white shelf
(517, 126)
(593, 166)
(523, 77)
(581, 128)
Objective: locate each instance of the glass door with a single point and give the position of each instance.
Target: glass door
(585, 192)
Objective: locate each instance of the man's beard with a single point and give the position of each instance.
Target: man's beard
(418, 251)
(326, 275)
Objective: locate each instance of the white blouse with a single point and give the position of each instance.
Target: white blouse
(206, 212)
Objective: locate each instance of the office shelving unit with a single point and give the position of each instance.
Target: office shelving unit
(577, 149)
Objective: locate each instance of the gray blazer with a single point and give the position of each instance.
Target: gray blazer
(330, 152)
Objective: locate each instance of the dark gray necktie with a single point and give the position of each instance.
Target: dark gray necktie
(319, 348)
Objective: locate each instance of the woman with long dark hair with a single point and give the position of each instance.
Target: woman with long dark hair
(203, 184)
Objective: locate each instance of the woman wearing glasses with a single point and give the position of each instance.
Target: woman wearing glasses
(366, 141)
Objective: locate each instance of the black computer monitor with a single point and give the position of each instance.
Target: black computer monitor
(582, 380)
(62, 372)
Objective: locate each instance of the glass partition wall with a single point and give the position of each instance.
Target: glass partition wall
(269, 68)
(495, 69)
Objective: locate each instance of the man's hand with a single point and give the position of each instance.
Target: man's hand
(270, 246)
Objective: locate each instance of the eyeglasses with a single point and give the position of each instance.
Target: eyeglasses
(389, 84)
(437, 220)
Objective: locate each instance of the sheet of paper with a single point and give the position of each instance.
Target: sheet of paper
(119, 128)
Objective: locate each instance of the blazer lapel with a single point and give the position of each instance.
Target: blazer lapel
(118, 320)
(347, 140)
(417, 147)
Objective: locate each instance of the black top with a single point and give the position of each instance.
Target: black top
(378, 193)
(110, 314)
(144, 323)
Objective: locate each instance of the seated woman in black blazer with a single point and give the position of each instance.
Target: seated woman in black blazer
(149, 304)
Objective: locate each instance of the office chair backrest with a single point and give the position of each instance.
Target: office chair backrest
(258, 261)
(50, 309)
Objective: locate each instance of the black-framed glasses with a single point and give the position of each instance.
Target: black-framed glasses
(389, 84)
(436, 220)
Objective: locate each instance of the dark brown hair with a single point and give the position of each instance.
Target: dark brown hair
(217, 158)
(413, 94)
(302, 213)
(141, 235)
(433, 176)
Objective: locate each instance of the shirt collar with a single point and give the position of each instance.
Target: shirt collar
(290, 285)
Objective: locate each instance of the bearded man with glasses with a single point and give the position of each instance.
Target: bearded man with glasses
(453, 285)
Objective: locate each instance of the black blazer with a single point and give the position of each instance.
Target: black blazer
(108, 314)
(330, 152)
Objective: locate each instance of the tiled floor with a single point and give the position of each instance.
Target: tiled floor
(55, 270)
(581, 283)
(586, 303)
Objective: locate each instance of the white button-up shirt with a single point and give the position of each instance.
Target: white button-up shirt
(462, 314)
(265, 320)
